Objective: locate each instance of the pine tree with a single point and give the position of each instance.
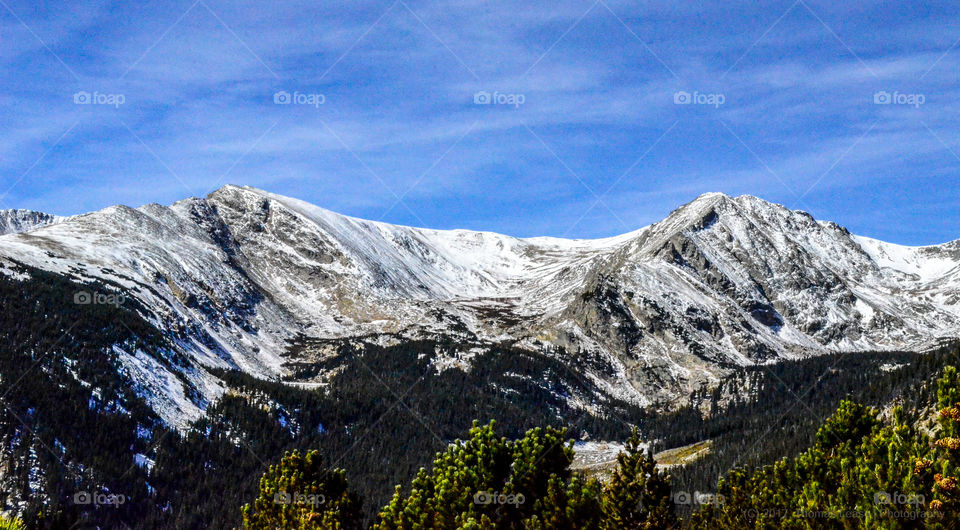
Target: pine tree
(638, 495)
(491, 482)
(946, 489)
(300, 493)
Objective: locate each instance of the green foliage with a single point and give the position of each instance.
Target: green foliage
(638, 495)
(849, 424)
(946, 464)
(484, 480)
(300, 493)
(860, 473)
(7, 523)
(488, 481)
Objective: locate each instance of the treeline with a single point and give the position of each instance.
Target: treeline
(860, 472)
(484, 481)
(776, 410)
(80, 445)
(76, 432)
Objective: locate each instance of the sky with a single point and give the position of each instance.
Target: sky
(573, 119)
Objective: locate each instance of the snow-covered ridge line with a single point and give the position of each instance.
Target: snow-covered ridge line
(17, 221)
(316, 212)
(722, 281)
(927, 263)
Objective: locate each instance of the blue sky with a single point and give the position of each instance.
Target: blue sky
(605, 115)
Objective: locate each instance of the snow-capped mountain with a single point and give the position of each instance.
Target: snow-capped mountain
(14, 221)
(238, 278)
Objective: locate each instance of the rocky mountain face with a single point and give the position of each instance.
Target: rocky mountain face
(15, 221)
(248, 280)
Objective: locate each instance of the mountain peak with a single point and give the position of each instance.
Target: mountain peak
(710, 199)
(705, 201)
(710, 196)
(234, 189)
(239, 187)
(238, 276)
(17, 221)
(233, 193)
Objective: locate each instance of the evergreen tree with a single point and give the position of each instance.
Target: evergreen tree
(638, 495)
(7, 523)
(946, 489)
(488, 481)
(860, 473)
(491, 482)
(300, 493)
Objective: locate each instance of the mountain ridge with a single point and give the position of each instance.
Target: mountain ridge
(237, 277)
(12, 213)
(16, 221)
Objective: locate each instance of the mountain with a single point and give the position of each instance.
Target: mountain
(275, 287)
(15, 221)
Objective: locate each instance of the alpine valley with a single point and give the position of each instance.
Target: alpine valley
(148, 350)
